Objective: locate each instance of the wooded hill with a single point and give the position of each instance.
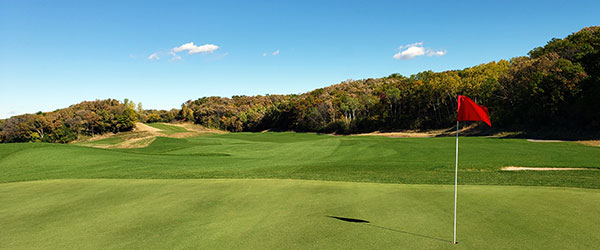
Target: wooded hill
(556, 86)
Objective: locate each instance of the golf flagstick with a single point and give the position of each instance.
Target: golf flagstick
(455, 183)
(466, 110)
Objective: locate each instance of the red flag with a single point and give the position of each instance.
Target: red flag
(468, 110)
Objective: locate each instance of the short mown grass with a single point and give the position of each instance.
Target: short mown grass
(285, 191)
(291, 214)
(311, 156)
(168, 129)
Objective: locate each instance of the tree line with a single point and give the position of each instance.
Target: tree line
(65, 125)
(554, 86)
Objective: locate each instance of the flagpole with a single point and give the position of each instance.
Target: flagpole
(455, 182)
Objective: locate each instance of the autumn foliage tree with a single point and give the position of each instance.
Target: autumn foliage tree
(65, 125)
(555, 86)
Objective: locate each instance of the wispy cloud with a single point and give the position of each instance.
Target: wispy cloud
(222, 55)
(410, 51)
(419, 44)
(174, 56)
(436, 52)
(153, 57)
(274, 53)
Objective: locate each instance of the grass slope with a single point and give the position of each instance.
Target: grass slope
(310, 156)
(291, 214)
(167, 129)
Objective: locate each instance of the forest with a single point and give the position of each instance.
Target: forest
(556, 86)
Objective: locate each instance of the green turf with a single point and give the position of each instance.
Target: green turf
(173, 194)
(310, 156)
(167, 129)
(291, 214)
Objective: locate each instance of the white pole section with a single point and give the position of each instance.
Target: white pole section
(455, 183)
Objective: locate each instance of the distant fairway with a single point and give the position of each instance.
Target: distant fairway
(309, 156)
(275, 191)
(167, 129)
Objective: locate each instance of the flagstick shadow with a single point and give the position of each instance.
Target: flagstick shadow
(367, 223)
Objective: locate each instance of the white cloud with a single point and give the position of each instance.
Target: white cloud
(190, 47)
(416, 49)
(419, 44)
(153, 57)
(193, 49)
(436, 52)
(264, 54)
(410, 53)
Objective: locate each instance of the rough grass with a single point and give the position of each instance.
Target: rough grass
(107, 141)
(291, 214)
(310, 156)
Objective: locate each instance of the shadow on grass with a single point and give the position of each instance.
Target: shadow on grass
(348, 219)
(367, 223)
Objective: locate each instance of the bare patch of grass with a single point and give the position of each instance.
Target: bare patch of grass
(464, 130)
(593, 143)
(137, 142)
(198, 128)
(513, 168)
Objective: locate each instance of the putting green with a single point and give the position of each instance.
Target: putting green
(291, 214)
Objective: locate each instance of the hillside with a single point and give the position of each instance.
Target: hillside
(555, 88)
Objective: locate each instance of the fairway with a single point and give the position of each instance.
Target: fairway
(291, 214)
(167, 129)
(285, 190)
(310, 156)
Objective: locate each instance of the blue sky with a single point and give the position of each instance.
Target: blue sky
(57, 53)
